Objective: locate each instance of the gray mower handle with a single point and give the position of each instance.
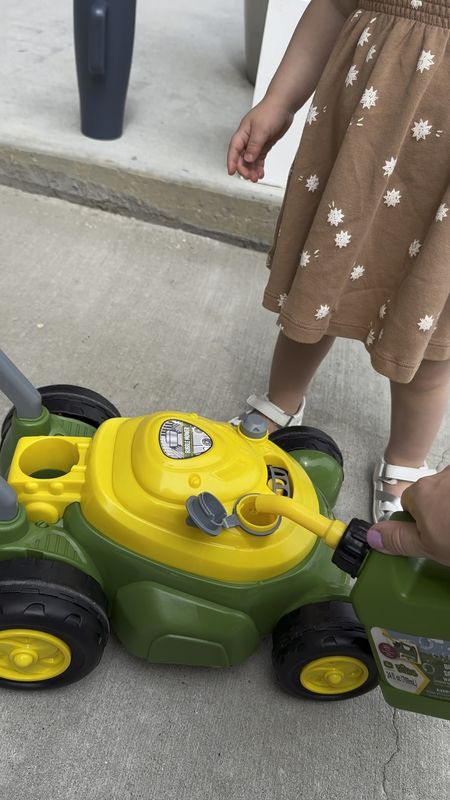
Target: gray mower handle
(19, 390)
(8, 502)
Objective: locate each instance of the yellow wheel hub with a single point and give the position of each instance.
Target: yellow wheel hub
(334, 675)
(28, 655)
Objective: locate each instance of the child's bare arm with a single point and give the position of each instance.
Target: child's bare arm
(308, 51)
(294, 81)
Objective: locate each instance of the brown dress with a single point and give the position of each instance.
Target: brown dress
(362, 245)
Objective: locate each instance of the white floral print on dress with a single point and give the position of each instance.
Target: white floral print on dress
(282, 299)
(335, 215)
(357, 272)
(322, 311)
(312, 184)
(352, 75)
(389, 166)
(415, 4)
(342, 239)
(370, 54)
(421, 129)
(426, 60)
(382, 311)
(305, 258)
(312, 115)
(426, 323)
(442, 212)
(370, 336)
(414, 248)
(369, 98)
(392, 197)
(364, 38)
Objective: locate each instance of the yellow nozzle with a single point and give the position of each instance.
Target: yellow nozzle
(330, 530)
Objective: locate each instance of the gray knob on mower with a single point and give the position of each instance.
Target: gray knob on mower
(253, 426)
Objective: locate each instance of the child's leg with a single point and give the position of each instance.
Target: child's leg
(417, 410)
(293, 367)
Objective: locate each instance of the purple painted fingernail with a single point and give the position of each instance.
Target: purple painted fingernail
(375, 539)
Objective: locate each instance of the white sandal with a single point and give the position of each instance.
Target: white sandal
(385, 503)
(276, 414)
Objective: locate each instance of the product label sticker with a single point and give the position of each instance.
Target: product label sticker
(415, 664)
(180, 439)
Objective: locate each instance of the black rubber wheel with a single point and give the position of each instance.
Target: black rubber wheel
(53, 613)
(75, 402)
(321, 652)
(301, 437)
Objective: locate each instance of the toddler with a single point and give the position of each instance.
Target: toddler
(362, 244)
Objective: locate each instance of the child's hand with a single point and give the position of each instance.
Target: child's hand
(259, 130)
(428, 501)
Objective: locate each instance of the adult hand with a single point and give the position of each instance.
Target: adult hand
(428, 501)
(258, 131)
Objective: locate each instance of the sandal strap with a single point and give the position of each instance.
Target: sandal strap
(276, 414)
(393, 472)
(385, 503)
(386, 497)
(387, 508)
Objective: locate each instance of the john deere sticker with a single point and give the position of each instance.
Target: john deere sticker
(179, 439)
(414, 664)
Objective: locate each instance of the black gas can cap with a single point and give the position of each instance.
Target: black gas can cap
(353, 547)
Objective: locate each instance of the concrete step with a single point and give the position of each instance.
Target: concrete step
(187, 93)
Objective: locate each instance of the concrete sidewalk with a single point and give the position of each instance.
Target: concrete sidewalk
(187, 93)
(156, 318)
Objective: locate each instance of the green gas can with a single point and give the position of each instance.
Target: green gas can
(404, 605)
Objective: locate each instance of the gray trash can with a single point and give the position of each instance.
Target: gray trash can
(255, 16)
(104, 37)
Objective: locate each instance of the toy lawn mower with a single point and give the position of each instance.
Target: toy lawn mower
(192, 539)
